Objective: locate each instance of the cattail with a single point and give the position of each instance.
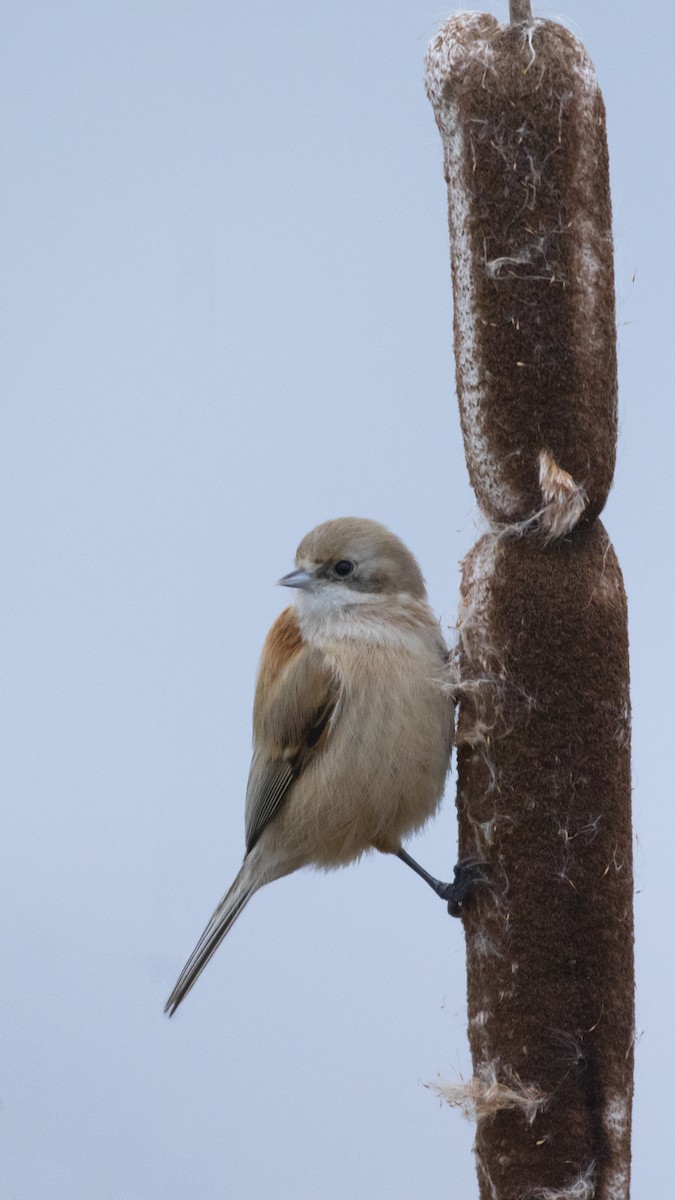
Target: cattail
(544, 717)
(523, 129)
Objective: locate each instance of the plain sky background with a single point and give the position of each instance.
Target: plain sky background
(226, 316)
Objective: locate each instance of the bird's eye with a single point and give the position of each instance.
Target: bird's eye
(343, 568)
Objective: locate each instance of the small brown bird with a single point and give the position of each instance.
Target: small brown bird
(352, 722)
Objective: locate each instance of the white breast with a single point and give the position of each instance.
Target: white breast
(338, 613)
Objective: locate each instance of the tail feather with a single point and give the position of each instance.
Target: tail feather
(221, 922)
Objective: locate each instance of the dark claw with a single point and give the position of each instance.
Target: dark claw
(469, 877)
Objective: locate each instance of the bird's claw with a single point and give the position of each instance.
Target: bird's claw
(469, 877)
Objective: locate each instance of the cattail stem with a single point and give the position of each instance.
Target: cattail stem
(520, 12)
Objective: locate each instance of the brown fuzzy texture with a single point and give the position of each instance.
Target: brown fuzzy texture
(523, 126)
(544, 797)
(544, 724)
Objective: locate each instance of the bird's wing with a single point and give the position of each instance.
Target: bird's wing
(296, 700)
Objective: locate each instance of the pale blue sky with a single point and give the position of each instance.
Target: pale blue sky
(227, 316)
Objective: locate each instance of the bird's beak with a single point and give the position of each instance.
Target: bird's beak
(296, 579)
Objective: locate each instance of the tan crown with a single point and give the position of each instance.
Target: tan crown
(382, 562)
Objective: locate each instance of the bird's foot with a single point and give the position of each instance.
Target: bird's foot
(469, 877)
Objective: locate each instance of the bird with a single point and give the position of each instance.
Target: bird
(353, 723)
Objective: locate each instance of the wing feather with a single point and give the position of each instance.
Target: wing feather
(295, 703)
(269, 780)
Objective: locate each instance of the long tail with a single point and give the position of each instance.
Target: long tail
(246, 883)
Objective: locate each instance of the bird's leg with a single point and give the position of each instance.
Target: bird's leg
(468, 877)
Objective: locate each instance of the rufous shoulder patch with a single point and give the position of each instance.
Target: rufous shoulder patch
(283, 642)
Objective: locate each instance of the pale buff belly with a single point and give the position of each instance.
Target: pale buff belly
(382, 772)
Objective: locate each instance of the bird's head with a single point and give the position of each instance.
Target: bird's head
(351, 558)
